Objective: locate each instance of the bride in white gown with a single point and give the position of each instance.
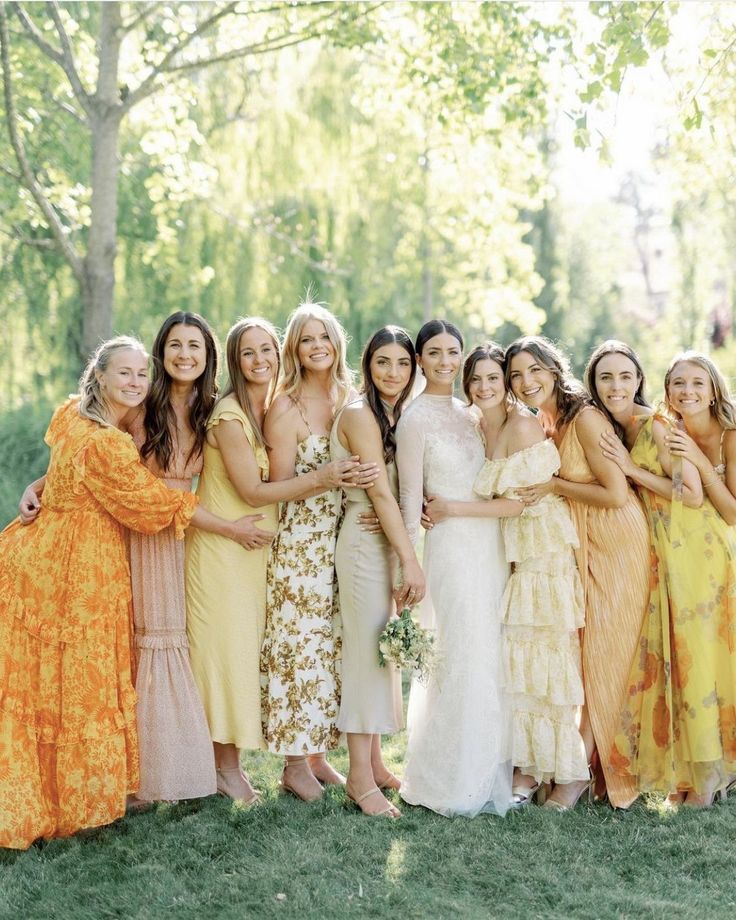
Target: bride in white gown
(458, 722)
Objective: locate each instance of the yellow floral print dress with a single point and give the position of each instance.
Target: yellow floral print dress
(678, 728)
(542, 612)
(68, 744)
(301, 649)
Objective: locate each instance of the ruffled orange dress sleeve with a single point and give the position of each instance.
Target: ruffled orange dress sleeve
(68, 745)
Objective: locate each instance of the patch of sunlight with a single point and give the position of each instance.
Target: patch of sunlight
(395, 867)
(660, 806)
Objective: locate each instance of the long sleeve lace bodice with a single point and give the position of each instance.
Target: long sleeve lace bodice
(438, 452)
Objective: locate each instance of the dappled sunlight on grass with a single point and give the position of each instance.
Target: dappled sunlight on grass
(395, 868)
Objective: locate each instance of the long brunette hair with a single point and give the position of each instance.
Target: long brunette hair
(388, 335)
(160, 419)
(614, 347)
(569, 392)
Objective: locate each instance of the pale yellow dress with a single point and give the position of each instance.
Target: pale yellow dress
(678, 726)
(613, 561)
(226, 599)
(542, 613)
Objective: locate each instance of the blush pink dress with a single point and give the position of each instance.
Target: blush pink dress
(176, 756)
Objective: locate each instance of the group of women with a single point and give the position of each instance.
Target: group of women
(578, 569)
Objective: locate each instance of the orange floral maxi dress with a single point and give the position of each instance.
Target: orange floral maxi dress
(68, 745)
(678, 728)
(613, 560)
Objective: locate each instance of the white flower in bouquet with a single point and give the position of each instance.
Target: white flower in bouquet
(406, 644)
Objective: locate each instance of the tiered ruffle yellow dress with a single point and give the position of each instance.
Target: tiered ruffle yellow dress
(543, 610)
(678, 729)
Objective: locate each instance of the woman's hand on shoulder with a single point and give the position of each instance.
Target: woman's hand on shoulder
(614, 449)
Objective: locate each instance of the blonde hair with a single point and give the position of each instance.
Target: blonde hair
(92, 404)
(291, 378)
(722, 407)
(237, 385)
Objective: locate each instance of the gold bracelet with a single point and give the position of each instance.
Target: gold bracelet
(712, 482)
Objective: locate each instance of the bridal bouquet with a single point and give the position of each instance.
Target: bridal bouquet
(404, 643)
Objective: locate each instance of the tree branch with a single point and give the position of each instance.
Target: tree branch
(26, 174)
(54, 54)
(275, 44)
(35, 35)
(148, 9)
(67, 60)
(46, 242)
(284, 40)
(148, 85)
(10, 172)
(69, 110)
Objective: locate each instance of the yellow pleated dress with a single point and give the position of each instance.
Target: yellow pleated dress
(678, 728)
(613, 561)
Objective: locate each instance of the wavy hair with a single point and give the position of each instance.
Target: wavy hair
(292, 377)
(387, 335)
(160, 419)
(237, 385)
(487, 351)
(92, 404)
(570, 394)
(614, 347)
(722, 408)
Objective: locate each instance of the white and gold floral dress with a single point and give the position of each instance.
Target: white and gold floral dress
(300, 680)
(542, 612)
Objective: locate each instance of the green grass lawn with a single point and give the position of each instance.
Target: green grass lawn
(285, 859)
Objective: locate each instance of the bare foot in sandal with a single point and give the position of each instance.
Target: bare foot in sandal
(374, 804)
(324, 772)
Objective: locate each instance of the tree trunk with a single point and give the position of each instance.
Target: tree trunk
(99, 265)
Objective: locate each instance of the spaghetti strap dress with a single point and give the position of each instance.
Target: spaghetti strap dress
(371, 695)
(300, 658)
(613, 561)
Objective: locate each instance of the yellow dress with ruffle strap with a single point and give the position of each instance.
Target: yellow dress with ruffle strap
(543, 610)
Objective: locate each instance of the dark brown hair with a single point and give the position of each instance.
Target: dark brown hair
(487, 351)
(386, 336)
(570, 393)
(613, 347)
(436, 327)
(160, 419)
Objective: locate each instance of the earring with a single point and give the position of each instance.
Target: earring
(712, 402)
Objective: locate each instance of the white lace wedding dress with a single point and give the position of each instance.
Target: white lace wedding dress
(458, 723)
